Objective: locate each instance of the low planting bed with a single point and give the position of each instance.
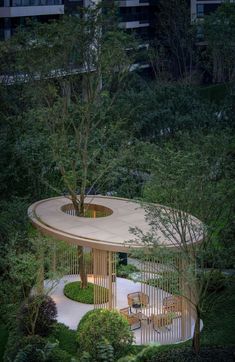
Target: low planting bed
(73, 291)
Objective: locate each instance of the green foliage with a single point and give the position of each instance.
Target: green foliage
(37, 315)
(219, 320)
(183, 353)
(215, 93)
(125, 271)
(220, 35)
(105, 351)
(86, 357)
(15, 344)
(127, 359)
(100, 324)
(30, 353)
(65, 336)
(59, 355)
(86, 295)
(3, 339)
(171, 279)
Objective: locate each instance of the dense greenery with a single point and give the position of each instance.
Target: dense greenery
(168, 139)
(37, 316)
(125, 271)
(100, 324)
(75, 292)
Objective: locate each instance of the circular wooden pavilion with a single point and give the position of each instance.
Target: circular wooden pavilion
(164, 314)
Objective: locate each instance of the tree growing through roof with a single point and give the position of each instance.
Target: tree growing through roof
(73, 71)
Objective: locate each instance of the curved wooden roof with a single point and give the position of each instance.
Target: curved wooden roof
(107, 233)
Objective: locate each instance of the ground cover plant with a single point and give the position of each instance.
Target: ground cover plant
(75, 292)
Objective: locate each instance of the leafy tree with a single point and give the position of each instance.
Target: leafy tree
(191, 183)
(220, 36)
(37, 315)
(175, 42)
(76, 77)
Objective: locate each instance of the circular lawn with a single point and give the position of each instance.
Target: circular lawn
(73, 291)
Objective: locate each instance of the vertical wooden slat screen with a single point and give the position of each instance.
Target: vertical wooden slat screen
(166, 283)
(161, 278)
(104, 279)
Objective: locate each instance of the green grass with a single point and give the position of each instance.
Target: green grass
(74, 292)
(3, 340)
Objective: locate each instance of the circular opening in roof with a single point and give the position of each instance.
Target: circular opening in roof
(91, 210)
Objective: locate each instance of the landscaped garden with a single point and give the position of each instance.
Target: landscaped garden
(104, 157)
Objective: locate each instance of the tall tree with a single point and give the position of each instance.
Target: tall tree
(175, 42)
(193, 183)
(219, 28)
(76, 67)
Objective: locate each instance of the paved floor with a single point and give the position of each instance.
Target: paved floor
(71, 312)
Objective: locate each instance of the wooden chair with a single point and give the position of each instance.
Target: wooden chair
(161, 320)
(132, 319)
(172, 304)
(137, 300)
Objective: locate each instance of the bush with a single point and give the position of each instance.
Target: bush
(127, 359)
(105, 351)
(74, 292)
(30, 353)
(100, 324)
(16, 344)
(125, 271)
(185, 354)
(59, 355)
(218, 282)
(45, 319)
(66, 338)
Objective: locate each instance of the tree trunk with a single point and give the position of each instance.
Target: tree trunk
(82, 267)
(75, 205)
(196, 334)
(82, 203)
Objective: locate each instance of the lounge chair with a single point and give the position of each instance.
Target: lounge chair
(161, 320)
(172, 304)
(137, 300)
(133, 319)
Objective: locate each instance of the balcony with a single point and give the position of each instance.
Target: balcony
(20, 8)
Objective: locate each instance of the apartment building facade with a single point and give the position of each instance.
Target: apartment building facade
(201, 8)
(135, 15)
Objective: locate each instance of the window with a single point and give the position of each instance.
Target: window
(200, 10)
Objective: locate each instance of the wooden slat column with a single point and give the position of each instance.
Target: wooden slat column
(104, 264)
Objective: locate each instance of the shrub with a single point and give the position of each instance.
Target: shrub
(127, 359)
(65, 336)
(74, 292)
(105, 351)
(106, 324)
(217, 282)
(16, 344)
(30, 353)
(124, 271)
(59, 355)
(185, 354)
(37, 316)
